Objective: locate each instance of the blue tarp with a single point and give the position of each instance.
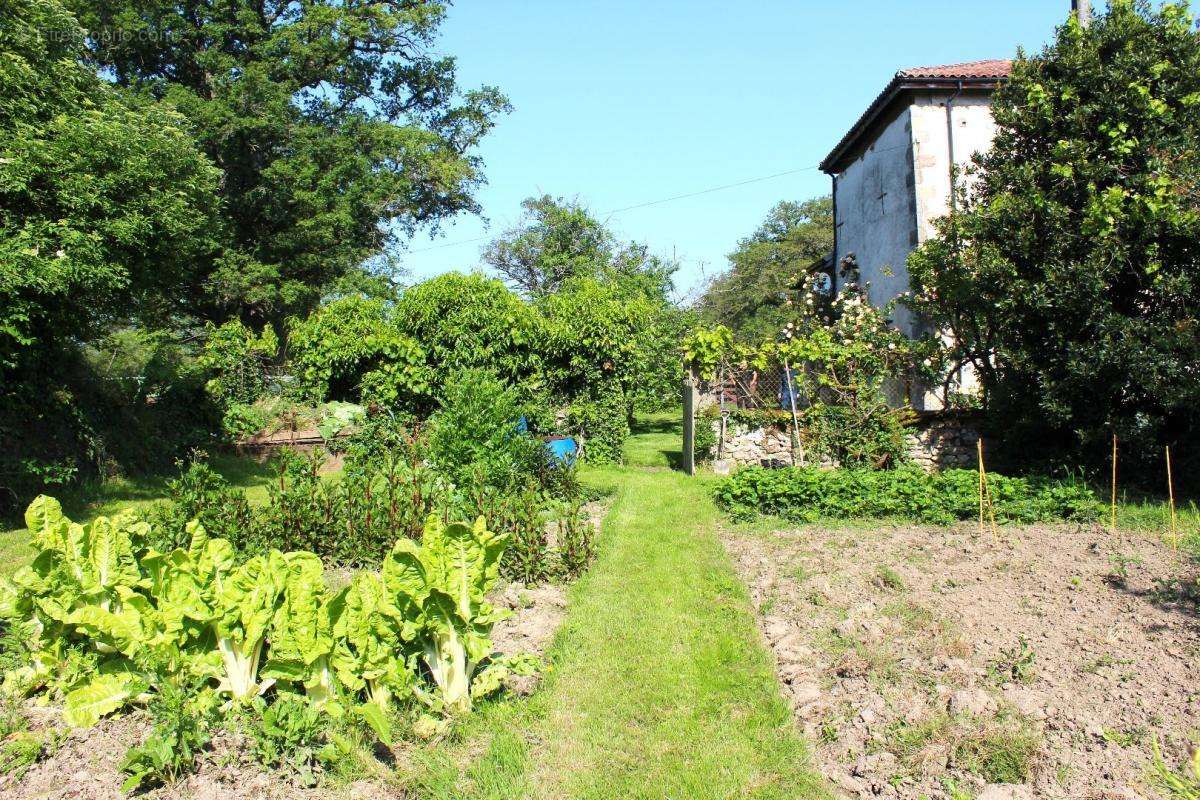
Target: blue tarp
(564, 450)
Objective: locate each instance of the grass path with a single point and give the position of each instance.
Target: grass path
(660, 686)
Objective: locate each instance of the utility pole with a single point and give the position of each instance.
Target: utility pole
(1083, 11)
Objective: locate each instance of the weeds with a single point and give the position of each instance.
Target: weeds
(888, 578)
(183, 723)
(1000, 755)
(20, 748)
(1014, 664)
(1094, 666)
(1121, 563)
(1181, 784)
(999, 750)
(290, 736)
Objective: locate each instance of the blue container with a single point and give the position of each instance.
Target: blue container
(563, 448)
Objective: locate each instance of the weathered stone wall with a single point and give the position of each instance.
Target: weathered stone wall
(944, 441)
(936, 441)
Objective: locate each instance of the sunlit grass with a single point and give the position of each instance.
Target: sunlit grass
(660, 686)
(106, 498)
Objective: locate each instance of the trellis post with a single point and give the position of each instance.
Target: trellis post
(689, 423)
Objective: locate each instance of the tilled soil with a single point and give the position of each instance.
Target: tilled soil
(87, 762)
(941, 663)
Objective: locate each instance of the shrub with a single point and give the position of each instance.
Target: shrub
(603, 424)
(705, 444)
(128, 404)
(805, 494)
(351, 350)
(467, 322)
(476, 432)
(235, 359)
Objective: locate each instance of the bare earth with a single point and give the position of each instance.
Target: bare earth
(935, 662)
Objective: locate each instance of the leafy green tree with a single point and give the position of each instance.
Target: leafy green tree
(555, 241)
(610, 346)
(336, 129)
(1070, 278)
(105, 204)
(472, 322)
(106, 208)
(559, 240)
(752, 297)
(607, 305)
(350, 349)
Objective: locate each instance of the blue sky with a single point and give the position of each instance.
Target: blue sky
(619, 103)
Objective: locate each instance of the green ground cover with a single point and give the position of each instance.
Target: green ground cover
(659, 686)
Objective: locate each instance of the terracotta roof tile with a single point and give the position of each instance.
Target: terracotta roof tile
(991, 68)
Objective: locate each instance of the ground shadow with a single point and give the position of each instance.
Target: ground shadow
(656, 441)
(657, 426)
(1178, 593)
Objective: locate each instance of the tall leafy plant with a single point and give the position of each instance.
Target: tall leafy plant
(440, 585)
(1069, 276)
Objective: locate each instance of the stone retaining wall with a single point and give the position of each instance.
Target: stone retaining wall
(936, 441)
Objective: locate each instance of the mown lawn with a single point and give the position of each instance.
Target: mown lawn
(660, 686)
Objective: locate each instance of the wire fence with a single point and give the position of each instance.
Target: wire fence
(745, 387)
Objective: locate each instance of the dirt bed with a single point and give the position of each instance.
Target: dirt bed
(935, 662)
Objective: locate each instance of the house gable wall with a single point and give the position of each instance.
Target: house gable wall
(974, 130)
(877, 214)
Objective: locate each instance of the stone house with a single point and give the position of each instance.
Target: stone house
(892, 174)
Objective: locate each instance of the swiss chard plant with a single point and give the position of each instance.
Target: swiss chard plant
(439, 587)
(107, 620)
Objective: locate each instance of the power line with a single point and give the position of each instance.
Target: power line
(647, 204)
(709, 191)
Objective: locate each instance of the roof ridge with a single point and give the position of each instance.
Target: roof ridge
(983, 68)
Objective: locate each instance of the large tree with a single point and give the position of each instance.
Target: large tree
(335, 127)
(752, 297)
(106, 203)
(559, 241)
(106, 210)
(1070, 278)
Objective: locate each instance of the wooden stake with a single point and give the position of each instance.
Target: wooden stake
(987, 488)
(1171, 497)
(1114, 486)
(797, 445)
(985, 495)
(979, 449)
